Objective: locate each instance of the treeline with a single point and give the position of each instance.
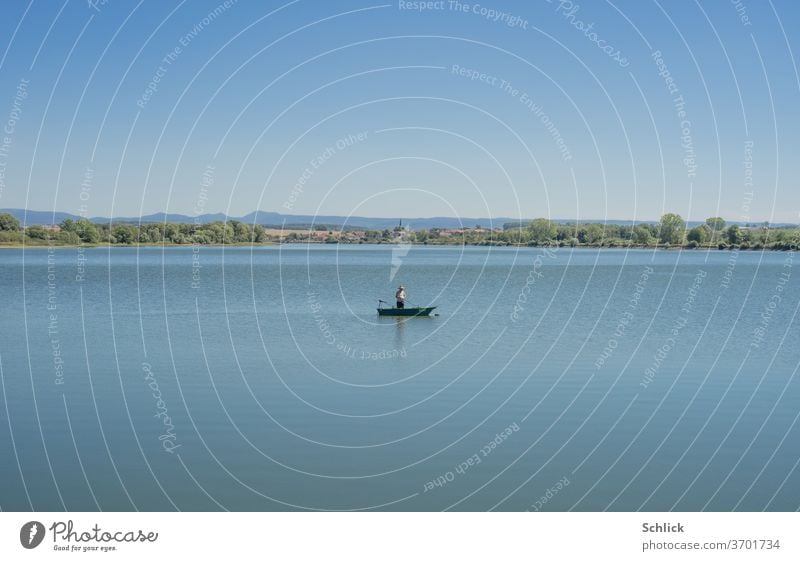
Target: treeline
(671, 232)
(76, 232)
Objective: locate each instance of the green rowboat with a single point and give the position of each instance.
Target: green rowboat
(419, 312)
(405, 311)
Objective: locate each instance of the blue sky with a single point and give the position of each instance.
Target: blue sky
(359, 107)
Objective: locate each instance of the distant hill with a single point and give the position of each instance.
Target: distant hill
(276, 219)
(267, 219)
(36, 216)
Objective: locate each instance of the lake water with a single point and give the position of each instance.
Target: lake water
(262, 379)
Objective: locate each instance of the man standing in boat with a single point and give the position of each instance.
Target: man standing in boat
(400, 296)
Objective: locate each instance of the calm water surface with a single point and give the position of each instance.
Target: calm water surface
(262, 379)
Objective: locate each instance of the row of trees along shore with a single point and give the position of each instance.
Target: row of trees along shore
(670, 232)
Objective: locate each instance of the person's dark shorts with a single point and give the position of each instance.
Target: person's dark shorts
(401, 304)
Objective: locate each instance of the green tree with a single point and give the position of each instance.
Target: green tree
(104, 231)
(642, 235)
(124, 233)
(671, 229)
(8, 223)
(86, 231)
(764, 234)
(11, 237)
(747, 237)
(151, 233)
(717, 226)
(259, 235)
(37, 232)
(625, 232)
(203, 237)
(591, 234)
(699, 234)
(68, 225)
(241, 232)
(734, 234)
(171, 232)
(68, 237)
(542, 230)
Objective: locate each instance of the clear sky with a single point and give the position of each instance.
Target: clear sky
(586, 110)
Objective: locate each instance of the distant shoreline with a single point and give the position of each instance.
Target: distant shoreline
(389, 245)
(672, 232)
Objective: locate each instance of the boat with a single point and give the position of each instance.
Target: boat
(417, 312)
(420, 312)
